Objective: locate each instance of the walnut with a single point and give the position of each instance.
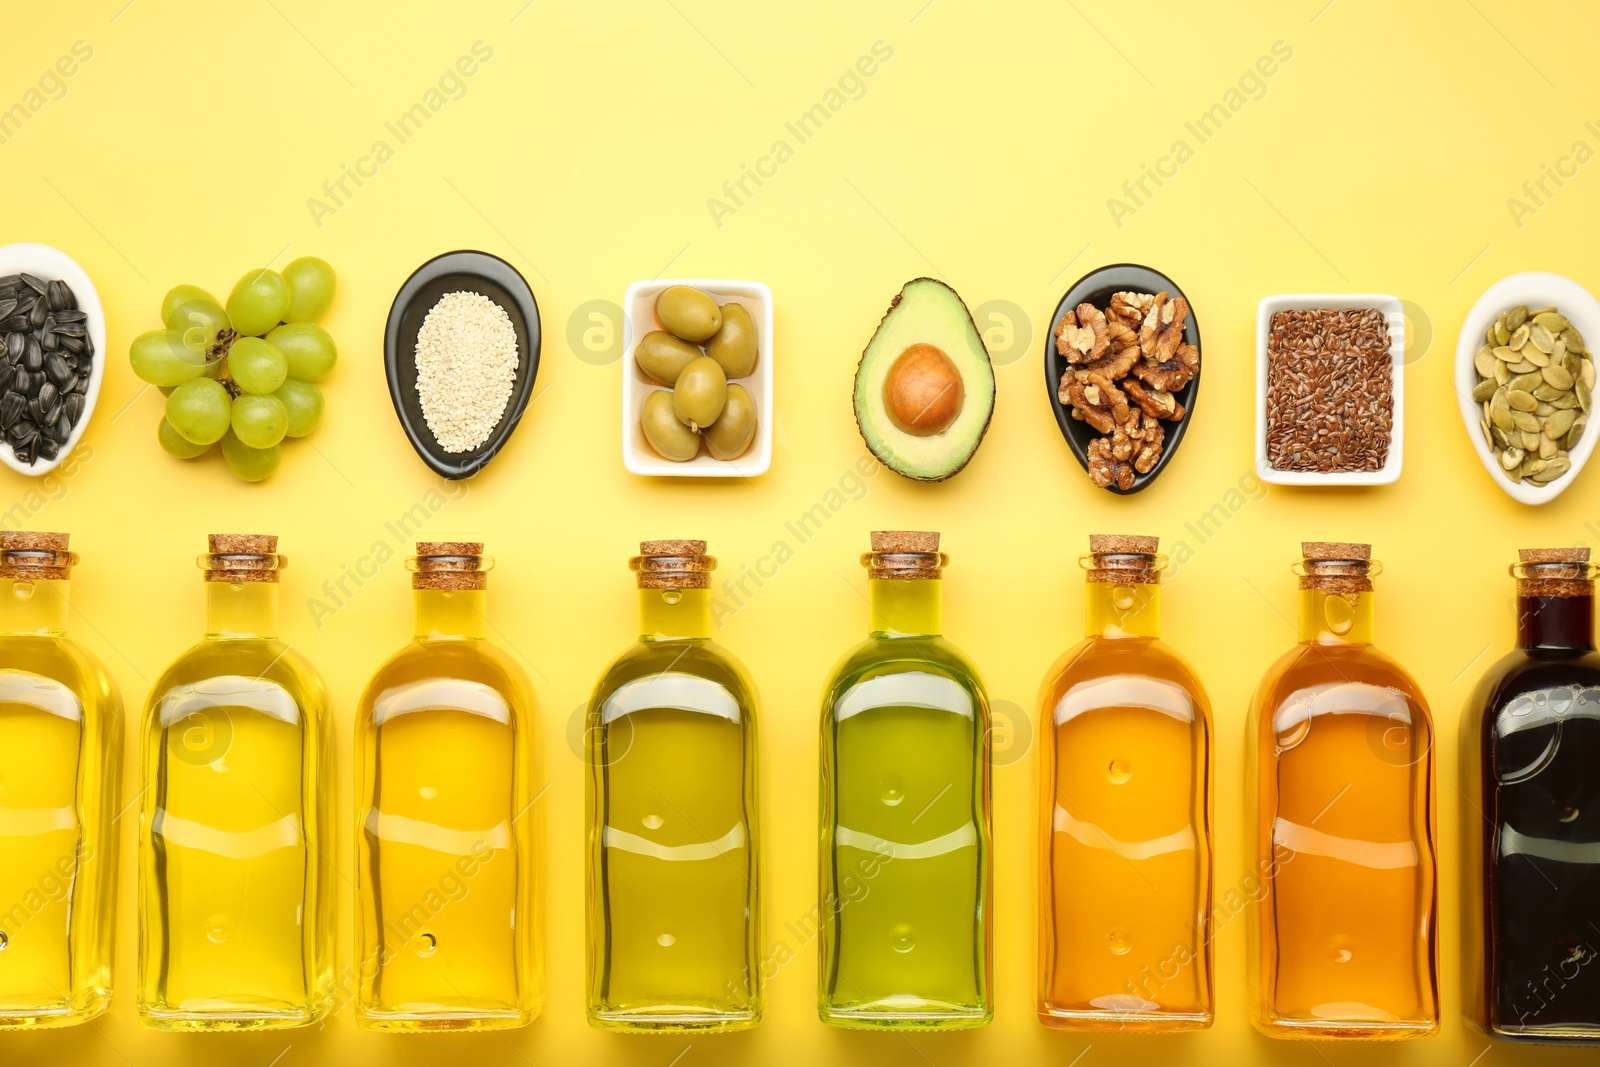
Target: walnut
(1157, 403)
(1173, 374)
(1162, 331)
(1096, 398)
(1122, 334)
(1130, 308)
(1105, 470)
(1114, 364)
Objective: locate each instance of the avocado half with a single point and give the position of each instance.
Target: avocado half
(926, 312)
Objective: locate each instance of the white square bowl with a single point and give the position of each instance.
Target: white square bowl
(639, 318)
(1394, 314)
(1535, 289)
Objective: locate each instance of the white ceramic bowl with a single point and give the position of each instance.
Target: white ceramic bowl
(1395, 314)
(48, 263)
(1536, 289)
(639, 318)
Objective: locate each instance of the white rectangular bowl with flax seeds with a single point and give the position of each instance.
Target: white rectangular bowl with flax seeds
(1394, 317)
(639, 312)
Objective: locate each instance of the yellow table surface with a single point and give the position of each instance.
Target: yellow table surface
(984, 149)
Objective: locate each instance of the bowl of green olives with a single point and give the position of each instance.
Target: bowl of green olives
(697, 380)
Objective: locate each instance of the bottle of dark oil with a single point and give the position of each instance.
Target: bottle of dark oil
(1531, 768)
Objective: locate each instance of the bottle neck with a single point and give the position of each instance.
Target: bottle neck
(448, 614)
(674, 614)
(905, 607)
(1132, 610)
(1555, 622)
(33, 606)
(236, 610)
(1335, 618)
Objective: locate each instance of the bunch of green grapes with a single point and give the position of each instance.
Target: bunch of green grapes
(243, 374)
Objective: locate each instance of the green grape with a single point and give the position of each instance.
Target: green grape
(258, 302)
(178, 445)
(176, 297)
(307, 347)
(303, 402)
(199, 410)
(311, 281)
(251, 464)
(199, 322)
(259, 421)
(256, 365)
(161, 358)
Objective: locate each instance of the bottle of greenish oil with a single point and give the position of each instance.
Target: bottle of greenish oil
(235, 842)
(905, 865)
(61, 721)
(674, 910)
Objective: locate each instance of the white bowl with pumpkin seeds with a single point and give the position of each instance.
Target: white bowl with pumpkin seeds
(1525, 391)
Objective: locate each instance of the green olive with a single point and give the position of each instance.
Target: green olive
(701, 391)
(663, 356)
(735, 428)
(688, 313)
(665, 432)
(734, 345)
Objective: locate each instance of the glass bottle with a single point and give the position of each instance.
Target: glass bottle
(235, 880)
(1344, 897)
(445, 876)
(905, 826)
(1530, 752)
(61, 718)
(1125, 863)
(674, 912)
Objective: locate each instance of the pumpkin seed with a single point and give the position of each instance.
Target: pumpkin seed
(1587, 376)
(1575, 434)
(1510, 458)
(1557, 376)
(1517, 316)
(1552, 321)
(1544, 410)
(1488, 434)
(1566, 401)
(1548, 393)
(1502, 372)
(1557, 424)
(1519, 336)
(1518, 400)
(1501, 334)
(1541, 338)
(1535, 356)
(1510, 355)
(1530, 441)
(1485, 361)
(1526, 421)
(1536, 312)
(1499, 413)
(1553, 469)
(1485, 390)
(1527, 382)
(1547, 448)
(1581, 390)
(1502, 439)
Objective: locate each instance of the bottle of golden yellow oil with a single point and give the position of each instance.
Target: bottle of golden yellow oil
(446, 743)
(235, 880)
(61, 721)
(674, 912)
(904, 902)
(1125, 860)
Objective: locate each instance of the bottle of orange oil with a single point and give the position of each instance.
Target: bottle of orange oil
(61, 721)
(446, 766)
(235, 867)
(1343, 935)
(674, 907)
(1125, 860)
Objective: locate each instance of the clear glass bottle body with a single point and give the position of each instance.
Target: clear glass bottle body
(1344, 897)
(1530, 746)
(235, 883)
(674, 851)
(61, 718)
(1126, 856)
(904, 901)
(447, 832)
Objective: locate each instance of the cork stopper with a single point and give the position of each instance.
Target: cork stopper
(449, 565)
(905, 554)
(1123, 559)
(1341, 567)
(675, 563)
(242, 558)
(30, 556)
(1554, 572)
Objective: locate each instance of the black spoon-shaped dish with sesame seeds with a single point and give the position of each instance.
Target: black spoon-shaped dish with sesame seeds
(1097, 287)
(454, 272)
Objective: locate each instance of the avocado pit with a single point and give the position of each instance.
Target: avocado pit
(923, 391)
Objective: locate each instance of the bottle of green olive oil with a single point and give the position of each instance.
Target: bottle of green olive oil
(905, 866)
(444, 799)
(235, 880)
(61, 721)
(674, 911)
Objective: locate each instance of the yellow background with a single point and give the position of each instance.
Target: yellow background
(1378, 159)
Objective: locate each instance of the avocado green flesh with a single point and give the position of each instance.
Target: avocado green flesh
(928, 312)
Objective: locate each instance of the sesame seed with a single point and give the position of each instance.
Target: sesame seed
(466, 363)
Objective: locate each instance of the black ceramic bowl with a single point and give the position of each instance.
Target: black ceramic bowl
(455, 272)
(1096, 288)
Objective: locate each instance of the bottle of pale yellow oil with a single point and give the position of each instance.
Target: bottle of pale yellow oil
(61, 721)
(446, 842)
(673, 854)
(235, 879)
